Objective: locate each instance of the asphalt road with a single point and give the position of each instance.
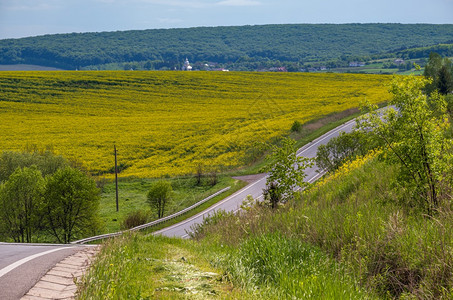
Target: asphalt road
(255, 189)
(22, 265)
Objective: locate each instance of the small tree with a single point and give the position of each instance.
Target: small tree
(414, 135)
(440, 70)
(344, 147)
(20, 199)
(272, 194)
(158, 197)
(71, 204)
(286, 172)
(199, 174)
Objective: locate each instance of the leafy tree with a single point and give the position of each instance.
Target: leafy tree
(414, 135)
(440, 70)
(445, 79)
(44, 160)
(344, 147)
(20, 199)
(286, 172)
(272, 195)
(159, 195)
(71, 204)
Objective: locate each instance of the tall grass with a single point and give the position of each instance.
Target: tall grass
(274, 266)
(359, 220)
(153, 267)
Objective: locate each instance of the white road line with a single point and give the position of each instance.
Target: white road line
(323, 137)
(208, 210)
(12, 266)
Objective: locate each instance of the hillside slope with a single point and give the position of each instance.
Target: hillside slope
(168, 122)
(289, 43)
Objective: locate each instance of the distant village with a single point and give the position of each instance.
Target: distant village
(212, 66)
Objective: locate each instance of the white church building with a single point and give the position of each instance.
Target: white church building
(187, 66)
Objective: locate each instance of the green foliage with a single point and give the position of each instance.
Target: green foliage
(134, 219)
(275, 266)
(296, 127)
(286, 172)
(440, 70)
(44, 160)
(167, 48)
(392, 249)
(71, 205)
(159, 196)
(415, 136)
(197, 230)
(154, 267)
(20, 202)
(342, 148)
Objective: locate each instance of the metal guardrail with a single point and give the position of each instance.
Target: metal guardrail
(150, 224)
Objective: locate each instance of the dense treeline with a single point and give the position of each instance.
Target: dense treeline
(167, 48)
(45, 199)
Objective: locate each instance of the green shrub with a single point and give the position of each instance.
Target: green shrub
(296, 127)
(134, 219)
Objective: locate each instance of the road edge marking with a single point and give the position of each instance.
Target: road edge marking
(18, 263)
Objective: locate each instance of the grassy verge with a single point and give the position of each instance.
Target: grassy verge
(154, 267)
(133, 192)
(357, 217)
(138, 267)
(236, 185)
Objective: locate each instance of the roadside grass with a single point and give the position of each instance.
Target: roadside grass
(133, 195)
(271, 266)
(359, 219)
(235, 186)
(154, 267)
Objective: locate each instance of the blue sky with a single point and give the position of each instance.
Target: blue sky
(20, 18)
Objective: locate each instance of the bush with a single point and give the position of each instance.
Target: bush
(296, 127)
(134, 219)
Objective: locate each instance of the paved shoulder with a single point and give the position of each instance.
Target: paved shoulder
(60, 281)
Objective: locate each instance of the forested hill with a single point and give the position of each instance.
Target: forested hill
(286, 43)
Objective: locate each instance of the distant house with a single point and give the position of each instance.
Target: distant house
(399, 61)
(278, 69)
(356, 64)
(187, 66)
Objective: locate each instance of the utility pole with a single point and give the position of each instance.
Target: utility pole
(116, 178)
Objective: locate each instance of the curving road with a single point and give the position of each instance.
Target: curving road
(255, 189)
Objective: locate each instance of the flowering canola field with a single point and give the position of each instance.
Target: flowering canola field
(166, 123)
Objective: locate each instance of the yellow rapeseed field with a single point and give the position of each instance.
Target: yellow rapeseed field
(167, 123)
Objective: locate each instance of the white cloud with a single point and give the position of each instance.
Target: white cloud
(239, 3)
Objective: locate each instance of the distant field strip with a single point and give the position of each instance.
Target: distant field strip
(166, 123)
